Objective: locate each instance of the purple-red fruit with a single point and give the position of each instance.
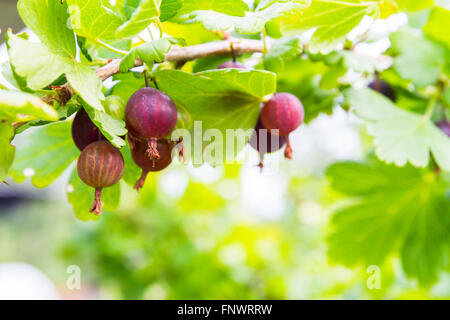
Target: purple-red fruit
(150, 115)
(84, 131)
(100, 165)
(444, 126)
(384, 88)
(281, 115)
(231, 64)
(264, 142)
(147, 165)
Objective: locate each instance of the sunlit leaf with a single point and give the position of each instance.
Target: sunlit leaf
(49, 151)
(400, 136)
(49, 20)
(145, 13)
(418, 59)
(8, 151)
(333, 20)
(402, 211)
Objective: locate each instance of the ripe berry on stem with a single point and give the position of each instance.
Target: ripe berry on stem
(100, 165)
(84, 131)
(281, 115)
(147, 165)
(150, 115)
(264, 142)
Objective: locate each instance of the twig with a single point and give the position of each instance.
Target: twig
(216, 48)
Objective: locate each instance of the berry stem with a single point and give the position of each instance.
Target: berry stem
(97, 205)
(288, 149)
(227, 37)
(140, 183)
(146, 78)
(152, 150)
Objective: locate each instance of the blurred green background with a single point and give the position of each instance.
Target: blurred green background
(201, 233)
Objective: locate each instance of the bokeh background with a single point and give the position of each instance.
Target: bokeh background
(199, 233)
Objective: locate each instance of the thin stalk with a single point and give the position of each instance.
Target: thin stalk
(146, 79)
(264, 34)
(107, 46)
(160, 27)
(150, 33)
(430, 108)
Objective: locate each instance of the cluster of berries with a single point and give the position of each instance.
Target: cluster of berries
(150, 117)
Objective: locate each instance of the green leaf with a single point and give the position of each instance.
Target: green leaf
(93, 20)
(438, 17)
(333, 20)
(414, 5)
(230, 7)
(353, 61)
(145, 13)
(418, 59)
(283, 49)
(19, 106)
(193, 33)
(86, 83)
(149, 53)
(401, 211)
(49, 21)
(8, 151)
(169, 9)
(250, 24)
(400, 136)
(115, 107)
(49, 151)
(96, 51)
(308, 81)
(131, 172)
(8, 74)
(81, 197)
(113, 129)
(220, 99)
(264, 4)
(63, 113)
(128, 84)
(30, 62)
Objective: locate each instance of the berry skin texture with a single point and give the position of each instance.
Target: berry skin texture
(100, 165)
(84, 131)
(138, 153)
(231, 64)
(264, 142)
(150, 115)
(281, 115)
(384, 88)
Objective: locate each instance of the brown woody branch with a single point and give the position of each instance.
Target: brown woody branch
(216, 48)
(177, 54)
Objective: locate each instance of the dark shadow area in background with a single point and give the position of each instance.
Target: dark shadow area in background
(9, 18)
